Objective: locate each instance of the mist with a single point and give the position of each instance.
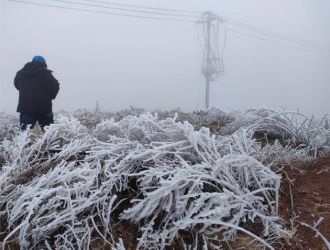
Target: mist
(121, 61)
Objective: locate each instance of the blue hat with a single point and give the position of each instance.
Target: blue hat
(39, 59)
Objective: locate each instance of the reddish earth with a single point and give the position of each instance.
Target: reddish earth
(310, 189)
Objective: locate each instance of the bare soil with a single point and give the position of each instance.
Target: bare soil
(308, 193)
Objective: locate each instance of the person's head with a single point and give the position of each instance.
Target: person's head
(40, 59)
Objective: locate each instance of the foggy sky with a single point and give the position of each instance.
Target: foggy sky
(123, 61)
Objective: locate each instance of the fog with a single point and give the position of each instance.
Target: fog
(122, 61)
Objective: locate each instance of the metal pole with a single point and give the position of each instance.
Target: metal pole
(207, 96)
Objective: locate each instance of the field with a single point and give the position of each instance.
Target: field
(139, 179)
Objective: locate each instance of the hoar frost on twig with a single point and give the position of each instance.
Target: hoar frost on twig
(71, 179)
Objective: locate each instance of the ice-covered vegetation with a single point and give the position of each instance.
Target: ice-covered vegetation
(93, 176)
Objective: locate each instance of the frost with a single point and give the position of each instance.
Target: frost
(92, 171)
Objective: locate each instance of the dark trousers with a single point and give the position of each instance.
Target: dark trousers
(32, 119)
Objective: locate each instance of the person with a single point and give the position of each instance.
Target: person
(37, 88)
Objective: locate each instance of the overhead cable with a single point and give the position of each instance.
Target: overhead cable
(292, 39)
(270, 33)
(100, 12)
(115, 8)
(199, 40)
(163, 19)
(235, 31)
(143, 7)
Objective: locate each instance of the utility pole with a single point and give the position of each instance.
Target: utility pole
(212, 65)
(208, 48)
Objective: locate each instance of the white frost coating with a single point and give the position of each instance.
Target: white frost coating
(70, 180)
(119, 246)
(317, 231)
(292, 127)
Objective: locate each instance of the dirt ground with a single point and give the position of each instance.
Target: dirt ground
(310, 198)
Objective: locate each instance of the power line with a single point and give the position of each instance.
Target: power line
(292, 39)
(280, 37)
(270, 33)
(162, 19)
(143, 7)
(224, 45)
(100, 12)
(199, 40)
(235, 31)
(140, 11)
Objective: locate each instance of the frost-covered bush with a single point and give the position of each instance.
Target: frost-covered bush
(274, 153)
(66, 184)
(213, 118)
(93, 172)
(291, 128)
(9, 125)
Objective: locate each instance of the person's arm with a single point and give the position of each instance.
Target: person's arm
(16, 81)
(53, 85)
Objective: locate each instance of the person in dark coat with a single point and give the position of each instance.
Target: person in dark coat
(37, 88)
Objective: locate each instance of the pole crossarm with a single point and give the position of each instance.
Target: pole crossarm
(213, 67)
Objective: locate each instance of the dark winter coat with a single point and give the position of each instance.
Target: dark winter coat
(37, 88)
